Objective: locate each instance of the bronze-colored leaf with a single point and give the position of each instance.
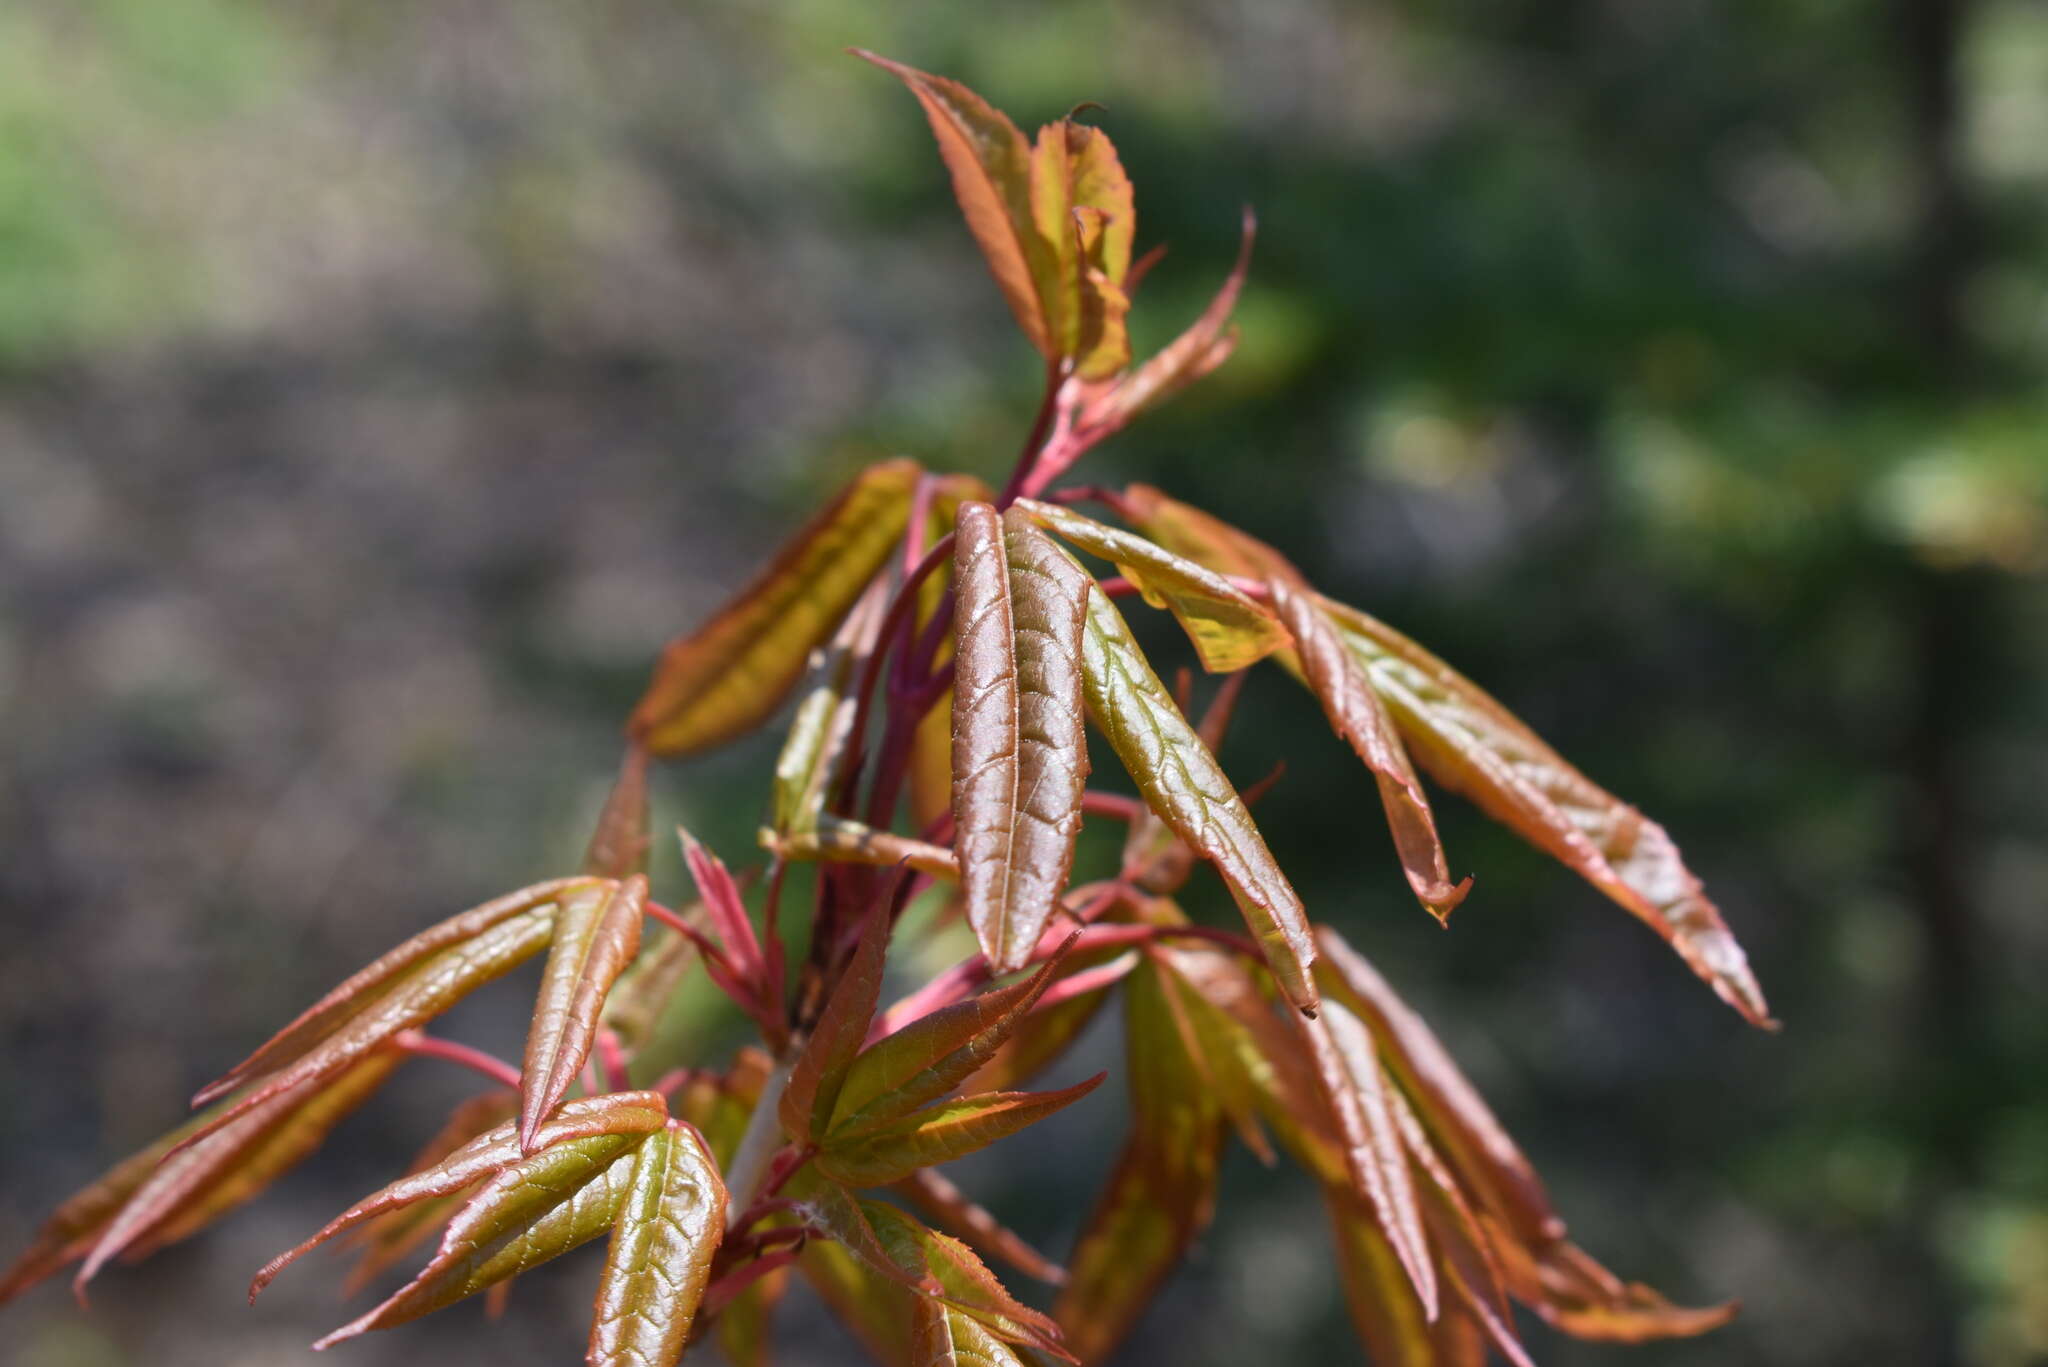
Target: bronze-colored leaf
(1205, 345)
(1185, 785)
(618, 847)
(819, 1073)
(939, 1134)
(946, 1205)
(667, 1230)
(1084, 213)
(1230, 629)
(962, 1282)
(597, 933)
(810, 755)
(386, 1239)
(731, 674)
(1020, 758)
(931, 745)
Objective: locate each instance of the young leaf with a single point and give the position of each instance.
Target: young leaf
(597, 933)
(1163, 1189)
(1020, 758)
(945, 1204)
(1205, 345)
(1083, 211)
(931, 744)
(818, 1075)
(1350, 1072)
(727, 910)
(990, 164)
(668, 1228)
(1185, 785)
(944, 1337)
(732, 673)
(810, 756)
(618, 847)
(387, 1238)
(839, 840)
(620, 1115)
(940, 1134)
(930, 1056)
(1381, 1296)
(427, 956)
(634, 1007)
(536, 1209)
(1337, 678)
(1230, 630)
(962, 1282)
(877, 1309)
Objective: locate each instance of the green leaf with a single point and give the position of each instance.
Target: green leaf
(876, 1309)
(619, 1115)
(810, 755)
(386, 1239)
(404, 987)
(1230, 629)
(597, 933)
(1373, 1153)
(930, 1056)
(963, 1283)
(940, 1134)
(820, 1070)
(667, 1231)
(1185, 785)
(731, 674)
(1020, 755)
(537, 1208)
(1163, 1189)
(945, 1337)
(1381, 1297)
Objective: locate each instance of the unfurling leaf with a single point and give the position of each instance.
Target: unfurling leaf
(818, 1074)
(731, 674)
(939, 1134)
(403, 988)
(667, 1230)
(535, 1209)
(1020, 758)
(167, 1192)
(620, 1115)
(1185, 785)
(1163, 1189)
(727, 911)
(1350, 1072)
(597, 933)
(1230, 629)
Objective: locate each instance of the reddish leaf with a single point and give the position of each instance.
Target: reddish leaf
(618, 847)
(728, 912)
(732, 673)
(1205, 345)
(597, 933)
(838, 840)
(963, 1283)
(1183, 783)
(667, 1231)
(386, 1239)
(820, 1070)
(931, 745)
(1230, 630)
(810, 755)
(1020, 758)
(940, 1134)
(945, 1204)
(1381, 1297)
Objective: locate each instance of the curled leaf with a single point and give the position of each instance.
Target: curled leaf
(731, 674)
(1185, 785)
(597, 933)
(1020, 758)
(667, 1230)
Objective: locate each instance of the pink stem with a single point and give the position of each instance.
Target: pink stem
(1125, 809)
(428, 1046)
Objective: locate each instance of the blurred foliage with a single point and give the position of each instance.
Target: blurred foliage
(377, 380)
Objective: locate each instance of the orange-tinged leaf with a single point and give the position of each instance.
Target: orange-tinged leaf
(165, 1193)
(820, 1070)
(597, 933)
(944, 1337)
(618, 847)
(962, 1282)
(1084, 214)
(619, 1115)
(1163, 1189)
(1020, 755)
(838, 840)
(538, 1208)
(1472, 744)
(1230, 629)
(930, 1056)
(1373, 1152)
(387, 1238)
(1185, 785)
(394, 972)
(667, 1230)
(1577, 1296)
(945, 1204)
(1339, 680)
(990, 164)
(940, 1134)
(1205, 345)
(731, 674)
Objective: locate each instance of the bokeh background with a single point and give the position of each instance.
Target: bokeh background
(381, 384)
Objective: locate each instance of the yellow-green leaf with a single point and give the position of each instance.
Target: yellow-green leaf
(731, 674)
(819, 1073)
(1084, 213)
(1185, 785)
(597, 933)
(1020, 755)
(667, 1230)
(940, 1134)
(817, 735)
(1205, 345)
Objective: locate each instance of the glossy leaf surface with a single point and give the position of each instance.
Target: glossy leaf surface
(1206, 344)
(1020, 756)
(597, 933)
(940, 1134)
(1185, 785)
(731, 674)
(668, 1228)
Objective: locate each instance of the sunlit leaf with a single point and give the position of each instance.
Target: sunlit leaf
(1083, 211)
(810, 755)
(819, 1073)
(1185, 785)
(1229, 629)
(946, 1205)
(537, 1208)
(619, 1115)
(597, 933)
(1205, 345)
(386, 1239)
(837, 840)
(1162, 1190)
(1020, 757)
(963, 1283)
(732, 673)
(655, 1271)
(944, 1337)
(940, 1134)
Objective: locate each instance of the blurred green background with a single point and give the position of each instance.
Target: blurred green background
(381, 384)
